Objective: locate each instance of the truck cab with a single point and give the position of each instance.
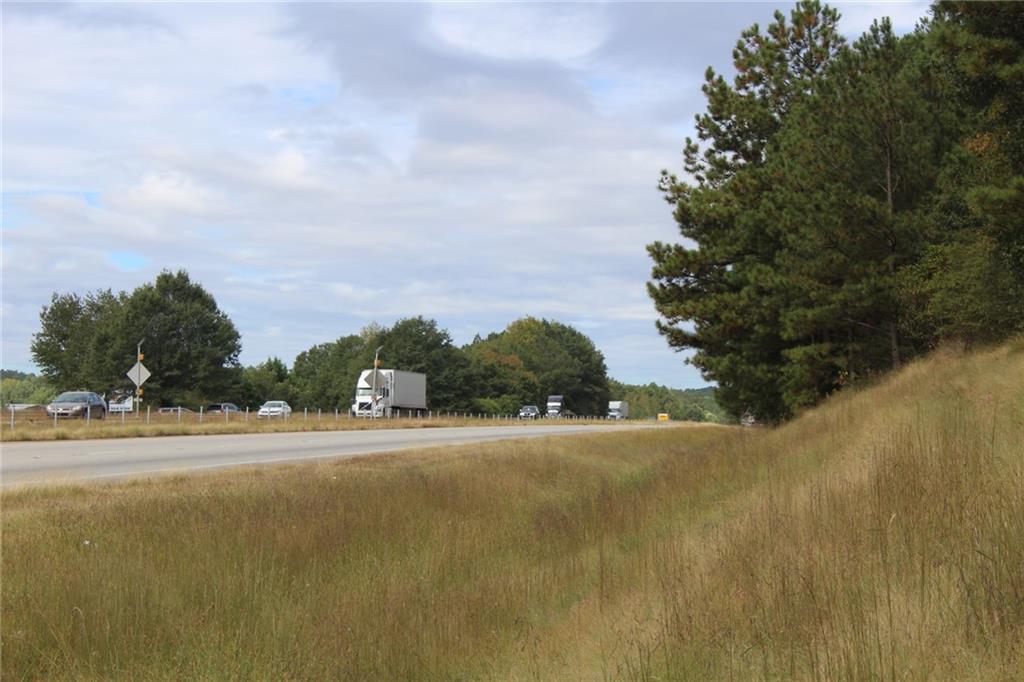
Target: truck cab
(618, 409)
(371, 393)
(555, 406)
(379, 393)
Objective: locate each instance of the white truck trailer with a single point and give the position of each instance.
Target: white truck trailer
(618, 409)
(383, 392)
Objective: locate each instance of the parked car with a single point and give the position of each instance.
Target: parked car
(529, 412)
(221, 408)
(77, 405)
(274, 408)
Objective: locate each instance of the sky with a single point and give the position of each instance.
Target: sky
(321, 166)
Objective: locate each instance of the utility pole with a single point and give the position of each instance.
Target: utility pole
(138, 378)
(373, 391)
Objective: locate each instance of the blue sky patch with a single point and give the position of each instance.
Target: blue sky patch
(308, 96)
(128, 261)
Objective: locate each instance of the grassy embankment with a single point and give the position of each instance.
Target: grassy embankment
(36, 427)
(880, 536)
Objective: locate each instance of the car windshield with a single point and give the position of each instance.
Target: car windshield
(72, 397)
(274, 403)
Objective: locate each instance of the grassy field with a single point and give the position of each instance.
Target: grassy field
(36, 426)
(880, 536)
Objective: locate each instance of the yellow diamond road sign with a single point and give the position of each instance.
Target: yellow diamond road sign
(138, 374)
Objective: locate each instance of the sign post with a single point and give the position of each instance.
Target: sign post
(138, 374)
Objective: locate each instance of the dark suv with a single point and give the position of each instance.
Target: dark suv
(77, 405)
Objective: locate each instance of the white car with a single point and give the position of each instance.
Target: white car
(275, 408)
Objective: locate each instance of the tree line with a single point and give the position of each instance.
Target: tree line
(523, 364)
(646, 401)
(847, 207)
(191, 347)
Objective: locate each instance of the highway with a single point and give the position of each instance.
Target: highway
(81, 460)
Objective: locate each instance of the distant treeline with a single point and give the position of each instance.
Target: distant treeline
(191, 348)
(689, 404)
(846, 208)
(22, 388)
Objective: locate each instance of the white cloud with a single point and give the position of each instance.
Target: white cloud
(524, 31)
(164, 192)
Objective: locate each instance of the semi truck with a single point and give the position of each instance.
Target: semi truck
(556, 406)
(383, 392)
(618, 409)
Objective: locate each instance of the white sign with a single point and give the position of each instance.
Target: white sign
(138, 374)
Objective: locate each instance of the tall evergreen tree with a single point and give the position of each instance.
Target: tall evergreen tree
(715, 291)
(970, 284)
(856, 169)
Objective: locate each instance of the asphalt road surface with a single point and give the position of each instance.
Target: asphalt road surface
(78, 460)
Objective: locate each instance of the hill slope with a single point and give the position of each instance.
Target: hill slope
(885, 540)
(879, 536)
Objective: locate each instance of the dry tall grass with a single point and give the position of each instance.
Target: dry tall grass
(878, 537)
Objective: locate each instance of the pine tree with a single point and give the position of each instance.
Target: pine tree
(715, 291)
(856, 170)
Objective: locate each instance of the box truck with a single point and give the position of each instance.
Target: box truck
(618, 409)
(556, 406)
(382, 392)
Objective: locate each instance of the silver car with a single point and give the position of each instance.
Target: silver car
(77, 405)
(274, 408)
